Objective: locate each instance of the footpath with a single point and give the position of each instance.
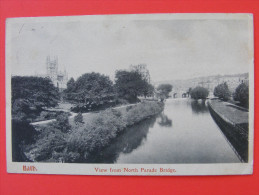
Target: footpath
(73, 114)
(230, 112)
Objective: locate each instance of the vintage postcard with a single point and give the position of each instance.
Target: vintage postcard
(140, 94)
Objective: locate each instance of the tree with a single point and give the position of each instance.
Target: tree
(30, 94)
(241, 94)
(37, 91)
(70, 85)
(142, 69)
(199, 93)
(148, 90)
(130, 84)
(90, 88)
(163, 91)
(221, 91)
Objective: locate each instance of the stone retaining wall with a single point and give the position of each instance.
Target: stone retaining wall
(236, 134)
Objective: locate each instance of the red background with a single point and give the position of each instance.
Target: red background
(64, 184)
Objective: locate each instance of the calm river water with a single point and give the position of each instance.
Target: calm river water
(183, 133)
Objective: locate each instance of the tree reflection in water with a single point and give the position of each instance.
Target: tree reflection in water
(199, 107)
(164, 121)
(130, 139)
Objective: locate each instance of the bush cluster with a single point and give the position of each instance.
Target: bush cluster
(199, 93)
(79, 119)
(221, 91)
(241, 94)
(55, 144)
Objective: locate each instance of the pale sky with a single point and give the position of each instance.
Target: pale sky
(172, 49)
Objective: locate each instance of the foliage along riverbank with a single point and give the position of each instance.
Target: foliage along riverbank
(81, 139)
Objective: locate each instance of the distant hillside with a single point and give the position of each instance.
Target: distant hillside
(209, 81)
(202, 78)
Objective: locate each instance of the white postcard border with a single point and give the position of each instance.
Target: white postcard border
(90, 169)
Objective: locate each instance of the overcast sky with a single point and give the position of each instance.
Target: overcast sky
(172, 49)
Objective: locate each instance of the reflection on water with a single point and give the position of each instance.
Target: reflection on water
(199, 107)
(183, 133)
(163, 120)
(126, 142)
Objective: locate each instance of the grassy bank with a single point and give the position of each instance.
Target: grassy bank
(82, 139)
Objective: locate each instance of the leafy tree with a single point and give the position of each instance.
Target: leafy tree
(30, 95)
(241, 94)
(199, 93)
(70, 85)
(163, 91)
(90, 87)
(130, 84)
(148, 90)
(142, 69)
(221, 91)
(37, 91)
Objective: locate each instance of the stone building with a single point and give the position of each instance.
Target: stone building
(59, 78)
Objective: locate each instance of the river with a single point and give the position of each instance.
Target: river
(183, 133)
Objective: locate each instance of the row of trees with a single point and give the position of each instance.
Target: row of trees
(97, 88)
(241, 93)
(31, 94)
(94, 88)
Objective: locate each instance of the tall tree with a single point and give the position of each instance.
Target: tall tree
(199, 93)
(142, 70)
(130, 84)
(163, 91)
(30, 95)
(36, 91)
(70, 85)
(222, 91)
(241, 94)
(93, 87)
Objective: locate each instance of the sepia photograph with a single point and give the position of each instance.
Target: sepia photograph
(137, 94)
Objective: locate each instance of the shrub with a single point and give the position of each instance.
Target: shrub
(199, 93)
(128, 108)
(221, 91)
(97, 133)
(55, 143)
(22, 134)
(241, 94)
(106, 125)
(49, 141)
(62, 122)
(79, 118)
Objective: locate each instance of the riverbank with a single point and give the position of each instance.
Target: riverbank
(82, 139)
(72, 115)
(233, 122)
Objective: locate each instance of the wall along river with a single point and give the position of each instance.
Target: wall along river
(183, 133)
